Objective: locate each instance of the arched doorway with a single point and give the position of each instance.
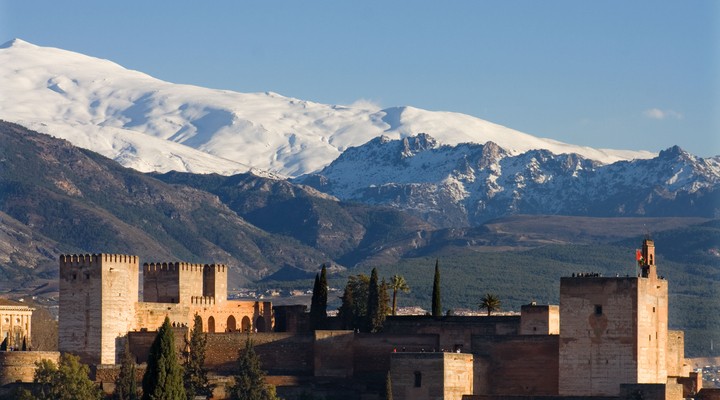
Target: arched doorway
(231, 325)
(246, 324)
(211, 325)
(260, 324)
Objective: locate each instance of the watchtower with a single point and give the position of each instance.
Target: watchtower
(98, 297)
(613, 330)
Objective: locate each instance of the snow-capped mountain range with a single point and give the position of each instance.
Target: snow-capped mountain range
(468, 184)
(151, 125)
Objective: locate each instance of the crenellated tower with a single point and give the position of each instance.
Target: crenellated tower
(98, 297)
(614, 330)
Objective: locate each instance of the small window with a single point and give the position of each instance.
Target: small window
(87, 276)
(74, 276)
(653, 309)
(418, 379)
(598, 309)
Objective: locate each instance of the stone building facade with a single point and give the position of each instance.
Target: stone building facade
(100, 304)
(15, 323)
(614, 331)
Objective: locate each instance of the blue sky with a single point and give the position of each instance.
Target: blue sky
(609, 74)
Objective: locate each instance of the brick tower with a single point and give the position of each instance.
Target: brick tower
(613, 330)
(98, 296)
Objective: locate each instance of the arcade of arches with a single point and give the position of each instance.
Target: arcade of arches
(231, 324)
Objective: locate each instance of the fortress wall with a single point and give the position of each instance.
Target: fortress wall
(453, 331)
(540, 320)
(334, 353)
(372, 351)
(598, 338)
(215, 281)
(97, 304)
(141, 341)
(516, 365)
(425, 376)
(235, 316)
(280, 353)
(675, 356)
(151, 316)
(20, 365)
(652, 330)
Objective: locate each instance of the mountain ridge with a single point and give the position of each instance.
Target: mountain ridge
(153, 125)
(468, 184)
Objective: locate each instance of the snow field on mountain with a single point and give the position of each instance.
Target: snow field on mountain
(129, 116)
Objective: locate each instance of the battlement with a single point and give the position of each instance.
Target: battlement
(158, 267)
(88, 260)
(216, 267)
(203, 300)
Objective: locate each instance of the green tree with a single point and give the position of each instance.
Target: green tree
(250, 378)
(436, 301)
(68, 380)
(388, 387)
(126, 382)
(318, 304)
(196, 380)
(373, 315)
(346, 310)
(163, 379)
(398, 284)
(490, 302)
(384, 301)
(355, 299)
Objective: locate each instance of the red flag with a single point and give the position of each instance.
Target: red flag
(638, 255)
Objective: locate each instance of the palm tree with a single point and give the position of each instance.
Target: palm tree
(490, 302)
(397, 282)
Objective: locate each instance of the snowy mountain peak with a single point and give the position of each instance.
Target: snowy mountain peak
(152, 125)
(16, 43)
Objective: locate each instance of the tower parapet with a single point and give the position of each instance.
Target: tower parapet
(98, 296)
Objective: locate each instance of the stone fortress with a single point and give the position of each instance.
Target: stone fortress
(99, 302)
(608, 338)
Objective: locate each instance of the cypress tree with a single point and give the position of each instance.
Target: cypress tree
(436, 302)
(318, 304)
(250, 378)
(322, 296)
(346, 312)
(196, 380)
(388, 387)
(163, 379)
(314, 304)
(373, 304)
(126, 381)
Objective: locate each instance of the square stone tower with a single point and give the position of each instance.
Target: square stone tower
(613, 330)
(98, 297)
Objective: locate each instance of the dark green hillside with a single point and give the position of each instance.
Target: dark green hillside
(521, 276)
(74, 200)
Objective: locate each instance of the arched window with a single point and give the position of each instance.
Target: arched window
(211, 325)
(246, 324)
(260, 324)
(231, 325)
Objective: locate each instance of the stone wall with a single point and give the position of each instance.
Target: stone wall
(19, 366)
(425, 376)
(453, 331)
(280, 353)
(372, 351)
(539, 319)
(98, 294)
(651, 391)
(598, 338)
(516, 365)
(675, 355)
